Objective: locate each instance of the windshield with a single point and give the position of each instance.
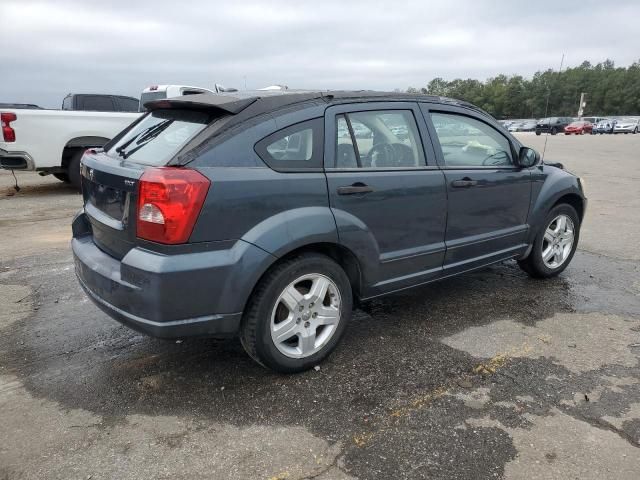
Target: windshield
(149, 96)
(159, 136)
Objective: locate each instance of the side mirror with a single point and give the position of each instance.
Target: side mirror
(528, 157)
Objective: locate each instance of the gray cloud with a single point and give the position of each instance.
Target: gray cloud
(48, 49)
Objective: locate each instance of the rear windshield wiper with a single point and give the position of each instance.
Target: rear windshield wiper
(144, 137)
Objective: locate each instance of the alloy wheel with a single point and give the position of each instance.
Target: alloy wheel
(305, 315)
(558, 241)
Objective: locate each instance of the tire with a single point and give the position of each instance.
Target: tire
(73, 169)
(534, 264)
(635, 130)
(63, 177)
(554, 130)
(538, 132)
(265, 305)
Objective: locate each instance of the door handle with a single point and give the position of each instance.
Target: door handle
(354, 189)
(464, 183)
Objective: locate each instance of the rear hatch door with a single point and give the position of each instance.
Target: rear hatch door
(110, 177)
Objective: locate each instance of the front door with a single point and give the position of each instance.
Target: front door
(386, 193)
(488, 194)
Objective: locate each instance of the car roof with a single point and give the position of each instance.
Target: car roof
(270, 101)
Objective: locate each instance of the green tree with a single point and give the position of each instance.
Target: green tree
(609, 90)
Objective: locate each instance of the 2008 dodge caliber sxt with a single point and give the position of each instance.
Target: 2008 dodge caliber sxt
(269, 216)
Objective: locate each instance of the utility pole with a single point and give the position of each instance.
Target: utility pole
(583, 103)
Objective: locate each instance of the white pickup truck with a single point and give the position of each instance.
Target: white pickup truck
(53, 141)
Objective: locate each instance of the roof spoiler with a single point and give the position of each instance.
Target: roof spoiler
(203, 101)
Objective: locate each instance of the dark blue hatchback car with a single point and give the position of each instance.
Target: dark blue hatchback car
(268, 216)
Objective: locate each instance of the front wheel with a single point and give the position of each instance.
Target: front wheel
(297, 313)
(73, 169)
(554, 131)
(555, 244)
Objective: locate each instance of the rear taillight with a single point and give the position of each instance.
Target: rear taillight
(8, 133)
(169, 201)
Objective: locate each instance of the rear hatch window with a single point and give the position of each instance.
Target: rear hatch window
(159, 136)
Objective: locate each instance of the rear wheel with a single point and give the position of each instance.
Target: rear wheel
(555, 244)
(297, 314)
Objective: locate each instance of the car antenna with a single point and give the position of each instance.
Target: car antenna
(546, 109)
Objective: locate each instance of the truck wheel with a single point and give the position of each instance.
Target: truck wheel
(297, 313)
(555, 243)
(538, 132)
(73, 169)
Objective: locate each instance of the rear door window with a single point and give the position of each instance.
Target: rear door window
(297, 147)
(128, 104)
(159, 136)
(96, 103)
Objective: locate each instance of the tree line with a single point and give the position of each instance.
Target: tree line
(609, 90)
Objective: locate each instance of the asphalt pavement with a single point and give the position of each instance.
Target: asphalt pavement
(487, 375)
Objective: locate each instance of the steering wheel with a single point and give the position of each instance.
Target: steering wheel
(390, 155)
(403, 155)
(380, 155)
(486, 161)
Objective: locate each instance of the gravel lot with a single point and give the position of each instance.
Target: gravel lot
(488, 375)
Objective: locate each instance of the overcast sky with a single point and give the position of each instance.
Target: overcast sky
(50, 48)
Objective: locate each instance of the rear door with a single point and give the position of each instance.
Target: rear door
(488, 195)
(386, 193)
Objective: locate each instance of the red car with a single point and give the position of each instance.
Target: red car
(578, 128)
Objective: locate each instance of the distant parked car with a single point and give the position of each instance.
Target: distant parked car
(552, 125)
(604, 126)
(20, 106)
(100, 103)
(528, 126)
(593, 120)
(578, 128)
(627, 125)
(515, 127)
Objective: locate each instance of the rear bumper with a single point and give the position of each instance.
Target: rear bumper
(168, 296)
(16, 160)
(210, 325)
